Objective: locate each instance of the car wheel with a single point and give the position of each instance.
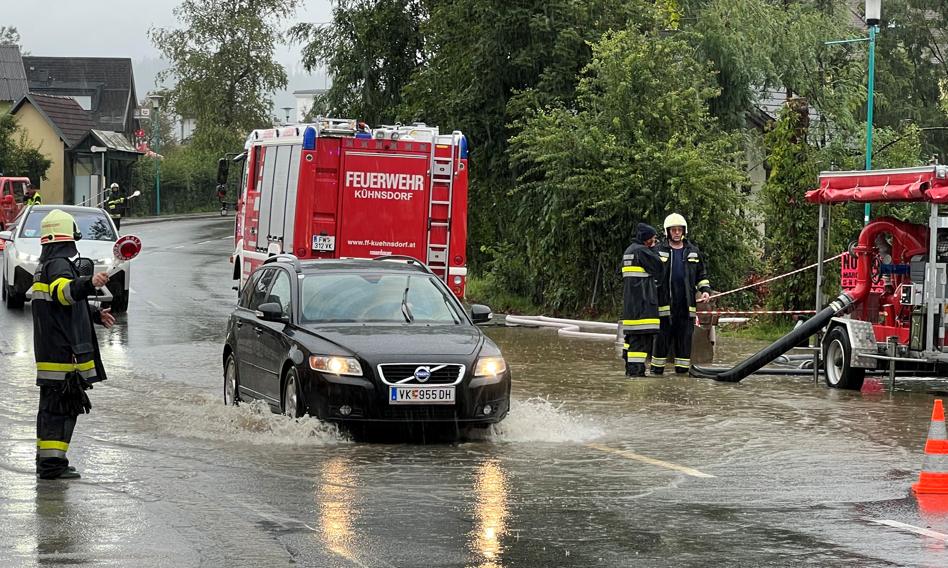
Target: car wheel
(838, 372)
(119, 302)
(292, 401)
(231, 382)
(13, 300)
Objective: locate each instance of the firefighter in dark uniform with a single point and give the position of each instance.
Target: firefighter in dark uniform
(684, 284)
(64, 342)
(115, 203)
(641, 270)
(33, 196)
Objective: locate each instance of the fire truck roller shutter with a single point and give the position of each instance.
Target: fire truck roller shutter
(281, 176)
(266, 195)
(289, 223)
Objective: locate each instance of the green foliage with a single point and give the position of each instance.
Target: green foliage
(488, 62)
(639, 144)
(17, 156)
(9, 35)
(222, 61)
(188, 180)
(759, 45)
(371, 49)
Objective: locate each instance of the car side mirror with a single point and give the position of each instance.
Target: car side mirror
(223, 167)
(6, 235)
(271, 311)
(480, 313)
(84, 266)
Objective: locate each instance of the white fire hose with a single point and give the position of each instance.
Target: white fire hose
(568, 327)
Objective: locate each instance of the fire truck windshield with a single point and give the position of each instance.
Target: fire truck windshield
(376, 298)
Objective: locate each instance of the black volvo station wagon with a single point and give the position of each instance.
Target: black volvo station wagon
(362, 340)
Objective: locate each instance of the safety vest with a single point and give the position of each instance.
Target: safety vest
(63, 338)
(35, 199)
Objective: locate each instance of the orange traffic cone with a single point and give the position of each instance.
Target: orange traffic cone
(934, 475)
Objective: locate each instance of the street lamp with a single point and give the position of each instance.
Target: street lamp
(287, 111)
(873, 16)
(156, 141)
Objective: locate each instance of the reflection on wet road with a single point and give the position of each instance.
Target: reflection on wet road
(589, 469)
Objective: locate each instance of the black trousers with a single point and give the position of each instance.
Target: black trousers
(675, 334)
(53, 433)
(637, 348)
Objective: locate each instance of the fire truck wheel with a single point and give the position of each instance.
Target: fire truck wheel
(292, 401)
(838, 372)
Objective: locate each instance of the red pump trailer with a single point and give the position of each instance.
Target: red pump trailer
(900, 297)
(336, 189)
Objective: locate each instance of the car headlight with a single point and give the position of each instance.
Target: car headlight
(26, 257)
(335, 365)
(490, 366)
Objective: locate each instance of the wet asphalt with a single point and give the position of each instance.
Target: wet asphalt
(589, 469)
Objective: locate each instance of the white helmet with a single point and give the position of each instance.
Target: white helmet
(675, 220)
(114, 186)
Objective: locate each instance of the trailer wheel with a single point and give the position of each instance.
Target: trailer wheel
(839, 373)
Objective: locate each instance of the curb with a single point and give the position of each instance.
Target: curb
(146, 220)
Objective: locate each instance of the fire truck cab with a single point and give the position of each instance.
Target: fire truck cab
(338, 189)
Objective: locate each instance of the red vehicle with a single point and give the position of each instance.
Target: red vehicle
(12, 195)
(336, 189)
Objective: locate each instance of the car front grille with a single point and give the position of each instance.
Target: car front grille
(441, 373)
(419, 413)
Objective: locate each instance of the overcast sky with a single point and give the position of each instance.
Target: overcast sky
(119, 28)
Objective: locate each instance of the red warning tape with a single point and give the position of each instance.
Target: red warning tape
(756, 312)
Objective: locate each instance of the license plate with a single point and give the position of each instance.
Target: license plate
(421, 395)
(322, 242)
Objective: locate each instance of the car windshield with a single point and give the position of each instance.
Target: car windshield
(93, 225)
(376, 297)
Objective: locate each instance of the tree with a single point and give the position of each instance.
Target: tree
(638, 144)
(371, 49)
(488, 62)
(17, 156)
(9, 35)
(222, 61)
(764, 45)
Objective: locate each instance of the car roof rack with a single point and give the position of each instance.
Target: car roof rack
(285, 257)
(406, 258)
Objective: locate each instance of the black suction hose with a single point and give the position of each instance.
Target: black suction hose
(757, 361)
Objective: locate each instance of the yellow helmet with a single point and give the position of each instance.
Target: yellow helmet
(675, 220)
(58, 227)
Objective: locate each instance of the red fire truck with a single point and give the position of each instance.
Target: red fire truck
(337, 189)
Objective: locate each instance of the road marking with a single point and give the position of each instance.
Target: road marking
(913, 529)
(180, 246)
(227, 237)
(645, 459)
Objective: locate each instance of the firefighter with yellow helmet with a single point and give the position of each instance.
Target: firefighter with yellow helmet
(64, 342)
(684, 284)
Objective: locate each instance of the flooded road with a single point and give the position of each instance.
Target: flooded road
(589, 468)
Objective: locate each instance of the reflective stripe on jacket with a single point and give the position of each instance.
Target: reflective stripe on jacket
(696, 277)
(641, 268)
(64, 341)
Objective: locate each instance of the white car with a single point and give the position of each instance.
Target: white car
(22, 250)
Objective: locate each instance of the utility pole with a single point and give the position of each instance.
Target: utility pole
(873, 16)
(156, 139)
